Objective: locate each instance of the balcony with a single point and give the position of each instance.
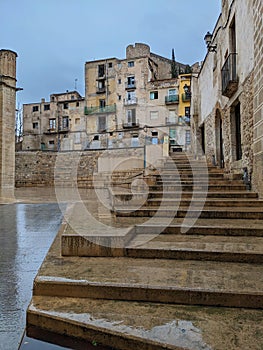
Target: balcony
(229, 76)
(101, 90)
(171, 99)
(130, 85)
(128, 102)
(131, 125)
(100, 110)
(186, 97)
(63, 130)
(51, 131)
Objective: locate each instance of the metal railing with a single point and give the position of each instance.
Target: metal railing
(229, 75)
(172, 99)
(128, 102)
(100, 110)
(186, 96)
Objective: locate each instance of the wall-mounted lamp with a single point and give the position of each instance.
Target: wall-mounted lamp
(208, 41)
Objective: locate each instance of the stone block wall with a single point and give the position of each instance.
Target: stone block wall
(257, 176)
(52, 168)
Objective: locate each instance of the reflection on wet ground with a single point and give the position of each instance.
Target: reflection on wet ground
(27, 229)
(26, 233)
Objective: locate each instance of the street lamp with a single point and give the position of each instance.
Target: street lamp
(208, 40)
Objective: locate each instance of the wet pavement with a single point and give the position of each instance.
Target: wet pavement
(26, 233)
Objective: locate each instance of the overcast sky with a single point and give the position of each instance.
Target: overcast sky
(54, 38)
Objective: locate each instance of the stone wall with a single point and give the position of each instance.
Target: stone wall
(48, 168)
(257, 175)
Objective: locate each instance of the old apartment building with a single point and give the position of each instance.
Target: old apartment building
(58, 124)
(7, 121)
(127, 102)
(227, 93)
(135, 99)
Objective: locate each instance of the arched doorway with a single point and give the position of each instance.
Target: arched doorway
(219, 140)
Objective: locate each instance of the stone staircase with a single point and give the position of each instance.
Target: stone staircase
(184, 273)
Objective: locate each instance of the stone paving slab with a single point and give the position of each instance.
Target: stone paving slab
(149, 326)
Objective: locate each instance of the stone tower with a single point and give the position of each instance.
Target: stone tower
(7, 122)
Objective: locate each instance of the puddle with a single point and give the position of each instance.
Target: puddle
(44, 340)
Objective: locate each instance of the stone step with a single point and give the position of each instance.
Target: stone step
(189, 187)
(215, 202)
(199, 182)
(188, 175)
(219, 227)
(172, 246)
(127, 195)
(215, 212)
(187, 282)
(130, 325)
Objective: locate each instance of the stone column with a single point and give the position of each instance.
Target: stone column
(7, 122)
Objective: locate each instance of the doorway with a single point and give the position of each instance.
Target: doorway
(219, 140)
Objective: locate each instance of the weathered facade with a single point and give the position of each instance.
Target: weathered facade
(225, 106)
(257, 175)
(7, 122)
(133, 99)
(58, 124)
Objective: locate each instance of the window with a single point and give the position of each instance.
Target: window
(77, 104)
(51, 142)
(101, 85)
(153, 95)
(187, 111)
(77, 121)
(154, 133)
(65, 122)
(47, 107)
(131, 95)
(102, 123)
(172, 92)
(187, 137)
(131, 81)
(65, 105)
(35, 125)
(119, 97)
(154, 115)
(96, 138)
(131, 64)
(119, 65)
(131, 116)
(101, 70)
(102, 103)
(35, 109)
(72, 97)
(52, 123)
(119, 81)
(110, 65)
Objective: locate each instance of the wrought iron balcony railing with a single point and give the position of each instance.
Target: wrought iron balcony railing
(229, 75)
(186, 96)
(134, 124)
(172, 99)
(100, 110)
(128, 102)
(130, 85)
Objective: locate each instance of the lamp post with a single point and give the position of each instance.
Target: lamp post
(208, 40)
